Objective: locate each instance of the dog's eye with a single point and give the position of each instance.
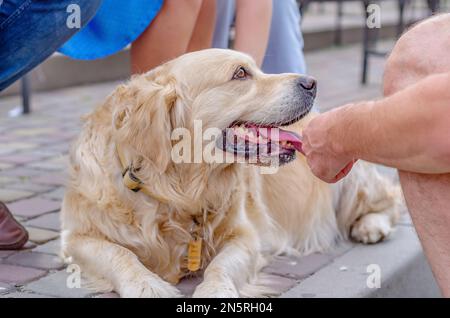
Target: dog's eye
(240, 74)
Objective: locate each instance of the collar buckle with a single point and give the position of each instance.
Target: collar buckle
(130, 180)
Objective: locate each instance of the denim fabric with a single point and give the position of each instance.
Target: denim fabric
(31, 30)
(285, 48)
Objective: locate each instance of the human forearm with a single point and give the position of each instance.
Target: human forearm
(409, 130)
(253, 19)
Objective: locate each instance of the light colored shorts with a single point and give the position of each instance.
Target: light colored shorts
(285, 48)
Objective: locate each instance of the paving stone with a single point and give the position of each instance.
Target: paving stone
(57, 194)
(62, 143)
(18, 274)
(298, 268)
(56, 285)
(47, 152)
(31, 187)
(5, 288)
(11, 147)
(10, 195)
(36, 260)
(61, 148)
(41, 236)
(5, 181)
(404, 271)
(6, 253)
(6, 138)
(107, 295)
(5, 166)
(25, 173)
(51, 247)
(6, 151)
(41, 140)
(19, 218)
(48, 221)
(25, 132)
(280, 284)
(342, 248)
(25, 295)
(50, 179)
(52, 164)
(34, 207)
(28, 246)
(21, 158)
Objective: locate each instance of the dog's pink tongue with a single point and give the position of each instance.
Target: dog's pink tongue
(285, 135)
(293, 138)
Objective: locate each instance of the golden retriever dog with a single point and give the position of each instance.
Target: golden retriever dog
(136, 221)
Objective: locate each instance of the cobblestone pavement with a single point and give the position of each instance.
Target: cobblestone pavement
(33, 153)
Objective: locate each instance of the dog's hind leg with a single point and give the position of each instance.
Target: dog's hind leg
(368, 205)
(118, 265)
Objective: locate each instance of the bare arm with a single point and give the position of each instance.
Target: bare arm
(409, 130)
(253, 19)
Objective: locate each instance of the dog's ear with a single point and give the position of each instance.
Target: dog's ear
(142, 119)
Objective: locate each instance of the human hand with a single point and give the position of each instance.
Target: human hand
(323, 148)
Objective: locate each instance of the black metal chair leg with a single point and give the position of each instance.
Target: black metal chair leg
(26, 93)
(365, 46)
(401, 17)
(433, 5)
(338, 31)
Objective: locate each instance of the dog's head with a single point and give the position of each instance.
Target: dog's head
(222, 90)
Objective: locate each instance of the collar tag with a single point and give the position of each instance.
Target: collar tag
(194, 254)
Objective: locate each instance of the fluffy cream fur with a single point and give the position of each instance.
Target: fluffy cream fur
(136, 245)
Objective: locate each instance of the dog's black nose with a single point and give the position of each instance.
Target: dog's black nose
(307, 83)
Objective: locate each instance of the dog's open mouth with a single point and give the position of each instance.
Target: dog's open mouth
(261, 145)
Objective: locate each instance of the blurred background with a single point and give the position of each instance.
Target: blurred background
(328, 27)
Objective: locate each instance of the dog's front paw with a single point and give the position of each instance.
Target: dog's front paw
(212, 289)
(148, 287)
(371, 228)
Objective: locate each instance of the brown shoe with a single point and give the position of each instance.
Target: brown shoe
(12, 234)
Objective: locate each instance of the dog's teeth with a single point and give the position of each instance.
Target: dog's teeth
(240, 130)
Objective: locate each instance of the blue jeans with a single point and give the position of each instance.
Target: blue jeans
(285, 48)
(31, 30)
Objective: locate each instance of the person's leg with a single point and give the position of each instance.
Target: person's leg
(204, 28)
(420, 52)
(30, 31)
(167, 37)
(285, 49)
